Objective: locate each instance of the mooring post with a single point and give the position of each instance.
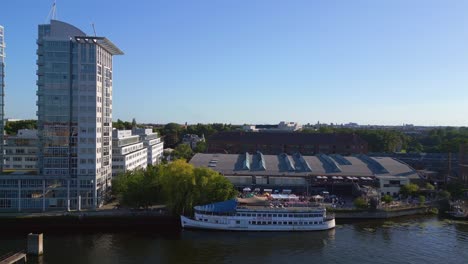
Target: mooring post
(35, 246)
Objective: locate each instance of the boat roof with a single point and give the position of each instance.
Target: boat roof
(219, 207)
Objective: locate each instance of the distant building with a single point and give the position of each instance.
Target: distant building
(281, 127)
(21, 150)
(463, 163)
(192, 140)
(290, 143)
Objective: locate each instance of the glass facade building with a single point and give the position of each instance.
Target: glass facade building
(2, 95)
(75, 107)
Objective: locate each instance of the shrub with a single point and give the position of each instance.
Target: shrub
(360, 203)
(387, 198)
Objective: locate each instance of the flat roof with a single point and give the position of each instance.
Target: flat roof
(101, 41)
(278, 165)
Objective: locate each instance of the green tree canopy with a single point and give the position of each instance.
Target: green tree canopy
(12, 127)
(360, 203)
(387, 198)
(178, 185)
(201, 147)
(409, 189)
(182, 151)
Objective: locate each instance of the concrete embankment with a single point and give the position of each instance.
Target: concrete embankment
(379, 214)
(146, 221)
(112, 220)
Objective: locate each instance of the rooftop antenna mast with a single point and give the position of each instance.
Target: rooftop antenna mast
(92, 24)
(53, 12)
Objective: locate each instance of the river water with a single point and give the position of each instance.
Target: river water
(408, 240)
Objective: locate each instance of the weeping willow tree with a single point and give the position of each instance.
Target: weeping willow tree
(178, 185)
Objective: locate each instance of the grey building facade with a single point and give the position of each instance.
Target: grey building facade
(75, 108)
(74, 99)
(2, 94)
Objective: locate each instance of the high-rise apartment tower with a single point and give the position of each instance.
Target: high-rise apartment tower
(75, 109)
(2, 94)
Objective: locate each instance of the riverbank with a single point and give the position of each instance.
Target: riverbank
(147, 220)
(379, 213)
(92, 221)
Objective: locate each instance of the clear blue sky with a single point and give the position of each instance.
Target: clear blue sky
(253, 61)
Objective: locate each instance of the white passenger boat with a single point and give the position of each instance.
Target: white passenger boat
(229, 215)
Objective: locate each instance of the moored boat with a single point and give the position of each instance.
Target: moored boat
(230, 215)
(458, 212)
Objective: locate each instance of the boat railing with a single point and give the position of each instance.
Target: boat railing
(330, 216)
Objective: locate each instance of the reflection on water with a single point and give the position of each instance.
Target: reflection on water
(202, 246)
(411, 240)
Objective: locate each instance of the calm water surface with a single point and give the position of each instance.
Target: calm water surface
(413, 240)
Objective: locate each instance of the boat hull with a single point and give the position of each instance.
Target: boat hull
(194, 224)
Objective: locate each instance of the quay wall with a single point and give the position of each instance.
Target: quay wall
(379, 214)
(146, 221)
(92, 221)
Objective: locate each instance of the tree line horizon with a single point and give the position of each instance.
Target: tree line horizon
(436, 140)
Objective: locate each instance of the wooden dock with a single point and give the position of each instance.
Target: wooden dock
(12, 258)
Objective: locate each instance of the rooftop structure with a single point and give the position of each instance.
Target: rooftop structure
(298, 165)
(274, 171)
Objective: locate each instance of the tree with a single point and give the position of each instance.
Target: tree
(455, 188)
(430, 186)
(201, 147)
(409, 189)
(182, 151)
(360, 203)
(172, 133)
(178, 185)
(422, 199)
(444, 194)
(185, 186)
(12, 127)
(121, 125)
(139, 188)
(387, 198)
(134, 123)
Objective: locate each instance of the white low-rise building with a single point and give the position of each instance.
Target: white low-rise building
(21, 150)
(152, 142)
(128, 152)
